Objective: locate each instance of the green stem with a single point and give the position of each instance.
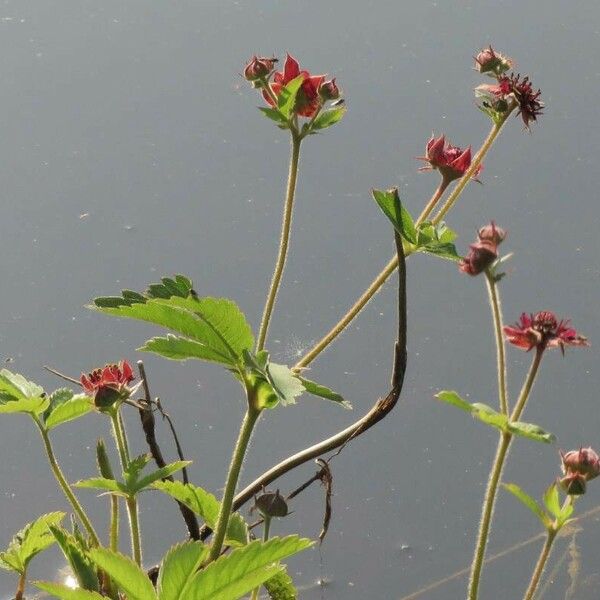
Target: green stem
(391, 266)
(266, 530)
(114, 524)
(491, 492)
(475, 163)
(486, 515)
(496, 306)
(439, 192)
(237, 459)
(541, 565)
(131, 502)
(65, 487)
(283, 242)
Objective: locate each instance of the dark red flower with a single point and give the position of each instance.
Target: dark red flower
(109, 384)
(259, 67)
(451, 161)
(491, 62)
(307, 101)
(543, 330)
(578, 467)
(484, 251)
(328, 90)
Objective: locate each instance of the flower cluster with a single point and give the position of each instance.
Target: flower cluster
(543, 330)
(578, 467)
(109, 384)
(484, 251)
(451, 161)
(510, 90)
(314, 91)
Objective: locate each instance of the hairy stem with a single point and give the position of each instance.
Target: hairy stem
(134, 524)
(283, 241)
(541, 565)
(439, 192)
(64, 485)
(114, 524)
(237, 459)
(21, 586)
(383, 276)
(496, 306)
(491, 492)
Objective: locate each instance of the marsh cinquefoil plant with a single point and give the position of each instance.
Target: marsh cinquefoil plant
(222, 559)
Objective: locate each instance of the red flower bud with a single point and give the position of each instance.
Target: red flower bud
(328, 90)
(451, 161)
(584, 461)
(491, 62)
(259, 67)
(484, 251)
(491, 233)
(108, 385)
(573, 484)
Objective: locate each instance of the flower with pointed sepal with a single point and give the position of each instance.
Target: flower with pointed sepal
(109, 384)
(451, 161)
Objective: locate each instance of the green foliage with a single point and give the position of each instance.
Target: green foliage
(239, 572)
(327, 118)
(281, 587)
(133, 482)
(178, 568)
(390, 204)
(437, 240)
(211, 329)
(18, 395)
(286, 101)
(66, 406)
(206, 506)
(58, 590)
(274, 115)
(76, 555)
(529, 502)
(486, 414)
(29, 542)
(316, 389)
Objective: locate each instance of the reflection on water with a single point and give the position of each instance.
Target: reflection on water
(130, 150)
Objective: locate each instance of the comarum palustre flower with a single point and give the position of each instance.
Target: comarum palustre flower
(543, 330)
(578, 467)
(109, 384)
(259, 68)
(451, 161)
(484, 251)
(490, 62)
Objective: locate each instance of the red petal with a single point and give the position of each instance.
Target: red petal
(291, 69)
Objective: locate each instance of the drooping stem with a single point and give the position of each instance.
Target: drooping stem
(131, 502)
(383, 276)
(541, 564)
(64, 485)
(491, 492)
(283, 241)
(237, 459)
(475, 163)
(496, 306)
(486, 514)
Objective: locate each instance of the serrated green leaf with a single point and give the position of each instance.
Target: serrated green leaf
(27, 543)
(273, 114)
(552, 500)
(286, 100)
(72, 409)
(285, 383)
(17, 386)
(316, 389)
(34, 406)
(565, 513)
(236, 574)
(390, 204)
(128, 576)
(82, 568)
(441, 250)
(486, 414)
(445, 234)
(531, 431)
(100, 483)
(177, 569)
(281, 587)
(328, 118)
(205, 505)
(57, 397)
(63, 592)
(161, 473)
(451, 397)
(529, 502)
(179, 348)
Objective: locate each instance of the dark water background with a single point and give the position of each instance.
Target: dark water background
(134, 114)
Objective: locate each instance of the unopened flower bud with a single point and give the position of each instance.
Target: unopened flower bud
(573, 484)
(271, 504)
(258, 67)
(484, 251)
(492, 234)
(584, 461)
(491, 62)
(104, 466)
(328, 90)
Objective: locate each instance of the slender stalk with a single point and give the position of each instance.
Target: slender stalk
(541, 564)
(283, 241)
(475, 163)
(65, 487)
(237, 459)
(383, 276)
(439, 192)
(266, 530)
(134, 524)
(496, 306)
(21, 586)
(114, 524)
(494, 478)
(486, 515)
(131, 502)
